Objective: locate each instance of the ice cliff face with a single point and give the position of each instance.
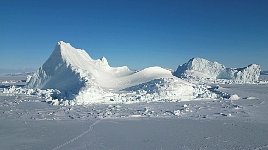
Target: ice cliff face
(247, 74)
(202, 68)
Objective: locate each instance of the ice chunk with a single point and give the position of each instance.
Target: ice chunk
(234, 97)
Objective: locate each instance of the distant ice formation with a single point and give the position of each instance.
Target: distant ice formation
(202, 68)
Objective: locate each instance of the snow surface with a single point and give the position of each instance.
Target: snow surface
(204, 69)
(85, 81)
(27, 122)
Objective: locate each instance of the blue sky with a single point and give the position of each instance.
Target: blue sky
(136, 33)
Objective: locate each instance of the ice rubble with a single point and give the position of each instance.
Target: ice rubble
(204, 69)
(84, 80)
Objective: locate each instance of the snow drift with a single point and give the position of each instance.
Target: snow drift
(80, 78)
(202, 68)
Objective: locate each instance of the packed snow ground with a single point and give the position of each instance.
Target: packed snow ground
(29, 122)
(17, 103)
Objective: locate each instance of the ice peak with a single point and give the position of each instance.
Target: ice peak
(253, 65)
(104, 60)
(67, 50)
(201, 60)
(196, 58)
(63, 45)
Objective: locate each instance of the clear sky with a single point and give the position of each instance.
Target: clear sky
(136, 33)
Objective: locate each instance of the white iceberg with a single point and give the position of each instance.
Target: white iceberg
(202, 68)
